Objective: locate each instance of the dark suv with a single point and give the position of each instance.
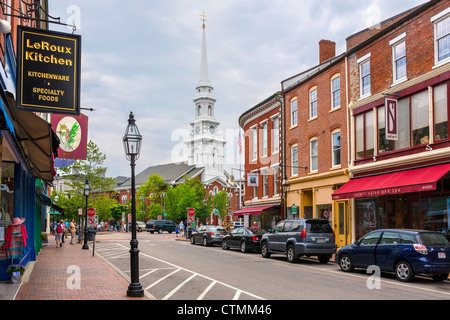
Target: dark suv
(160, 226)
(302, 237)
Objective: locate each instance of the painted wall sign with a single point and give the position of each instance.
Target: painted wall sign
(48, 71)
(72, 132)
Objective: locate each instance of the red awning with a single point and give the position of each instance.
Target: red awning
(252, 210)
(415, 180)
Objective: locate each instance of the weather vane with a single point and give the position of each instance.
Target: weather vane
(203, 19)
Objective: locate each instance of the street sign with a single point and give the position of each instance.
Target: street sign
(191, 219)
(91, 212)
(191, 212)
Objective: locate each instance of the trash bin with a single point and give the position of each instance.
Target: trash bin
(90, 232)
(188, 233)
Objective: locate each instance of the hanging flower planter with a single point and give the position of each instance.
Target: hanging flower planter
(15, 272)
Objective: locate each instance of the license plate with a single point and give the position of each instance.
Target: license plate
(441, 255)
(320, 240)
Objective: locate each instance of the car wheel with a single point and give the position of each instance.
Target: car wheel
(265, 250)
(290, 254)
(160, 230)
(346, 264)
(152, 232)
(404, 271)
(324, 258)
(192, 240)
(205, 242)
(224, 245)
(439, 277)
(243, 246)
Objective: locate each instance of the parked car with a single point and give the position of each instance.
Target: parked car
(405, 252)
(208, 235)
(160, 226)
(302, 237)
(140, 226)
(243, 238)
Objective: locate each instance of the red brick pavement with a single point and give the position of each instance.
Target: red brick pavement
(55, 266)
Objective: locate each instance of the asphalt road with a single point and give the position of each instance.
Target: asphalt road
(177, 270)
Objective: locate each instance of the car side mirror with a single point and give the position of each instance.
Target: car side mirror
(357, 242)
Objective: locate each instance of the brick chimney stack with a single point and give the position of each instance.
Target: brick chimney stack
(327, 50)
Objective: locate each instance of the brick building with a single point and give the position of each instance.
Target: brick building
(315, 109)
(398, 89)
(262, 200)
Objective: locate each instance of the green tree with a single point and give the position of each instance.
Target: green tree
(153, 189)
(220, 203)
(91, 168)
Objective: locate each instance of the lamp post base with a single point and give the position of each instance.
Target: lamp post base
(85, 247)
(135, 290)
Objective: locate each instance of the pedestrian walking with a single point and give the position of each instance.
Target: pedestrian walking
(58, 234)
(181, 227)
(63, 226)
(72, 231)
(176, 231)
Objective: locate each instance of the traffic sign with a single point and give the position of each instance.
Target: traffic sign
(191, 219)
(91, 212)
(191, 211)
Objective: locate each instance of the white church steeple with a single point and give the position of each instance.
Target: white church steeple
(205, 144)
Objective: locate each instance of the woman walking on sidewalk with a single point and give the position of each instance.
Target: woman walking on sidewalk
(58, 234)
(72, 231)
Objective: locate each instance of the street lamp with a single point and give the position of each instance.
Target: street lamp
(132, 144)
(286, 185)
(86, 192)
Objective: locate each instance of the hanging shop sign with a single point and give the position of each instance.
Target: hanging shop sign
(72, 132)
(391, 119)
(48, 71)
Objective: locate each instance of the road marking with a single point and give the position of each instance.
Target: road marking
(193, 272)
(171, 293)
(155, 283)
(200, 297)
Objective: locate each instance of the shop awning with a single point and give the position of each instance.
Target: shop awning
(56, 209)
(35, 139)
(252, 210)
(414, 180)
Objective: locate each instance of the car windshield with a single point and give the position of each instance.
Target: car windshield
(318, 227)
(434, 239)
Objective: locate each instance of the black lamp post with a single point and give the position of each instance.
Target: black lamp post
(285, 186)
(132, 145)
(86, 192)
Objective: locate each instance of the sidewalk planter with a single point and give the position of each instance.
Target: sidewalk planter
(15, 273)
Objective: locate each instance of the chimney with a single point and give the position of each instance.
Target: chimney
(327, 50)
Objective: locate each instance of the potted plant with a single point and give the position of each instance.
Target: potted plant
(15, 272)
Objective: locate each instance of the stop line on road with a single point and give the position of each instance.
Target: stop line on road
(178, 282)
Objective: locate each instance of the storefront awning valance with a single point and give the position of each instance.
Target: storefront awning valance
(35, 140)
(252, 210)
(414, 180)
(56, 209)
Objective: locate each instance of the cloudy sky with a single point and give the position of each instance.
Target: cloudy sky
(144, 56)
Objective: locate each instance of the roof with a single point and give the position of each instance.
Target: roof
(171, 173)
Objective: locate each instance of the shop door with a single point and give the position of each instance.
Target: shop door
(343, 224)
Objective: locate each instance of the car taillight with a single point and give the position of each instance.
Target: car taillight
(255, 238)
(211, 233)
(303, 233)
(420, 248)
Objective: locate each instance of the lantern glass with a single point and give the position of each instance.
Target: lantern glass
(132, 138)
(87, 188)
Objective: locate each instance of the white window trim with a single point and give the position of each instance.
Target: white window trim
(393, 43)
(360, 61)
(310, 102)
(338, 75)
(292, 162)
(275, 138)
(254, 130)
(332, 149)
(292, 119)
(435, 19)
(265, 143)
(315, 139)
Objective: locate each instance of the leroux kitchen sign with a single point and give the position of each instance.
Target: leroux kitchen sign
(48, 71)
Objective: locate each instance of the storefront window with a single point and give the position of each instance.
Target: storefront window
(408, 211)
(419, 118)
(324, 211)
(7, 202)
(440, 112)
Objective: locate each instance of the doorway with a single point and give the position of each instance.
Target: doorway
(343, 224)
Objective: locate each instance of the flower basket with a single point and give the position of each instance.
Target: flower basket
(15, 272)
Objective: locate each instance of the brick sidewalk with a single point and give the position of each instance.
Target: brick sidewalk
(49, 278)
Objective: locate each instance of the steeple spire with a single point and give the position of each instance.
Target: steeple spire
(204, 74)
